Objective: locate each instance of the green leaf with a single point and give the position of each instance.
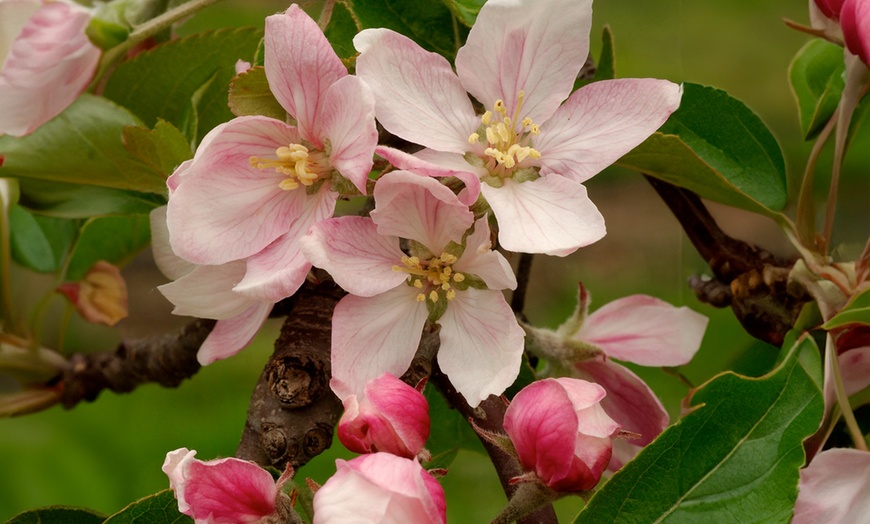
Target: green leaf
(816, 77)
(115, 239)
(250, 95)
(80, 201)
(58, 515)
(735, 458)
(449, 431)
(160, 508)
(718, 148)
(430, 24)
(340, 31)
(465, 10)
(40, 243)
(163, 148)
(82, 145)
(177, 71)
(605, 68)
(856, 311)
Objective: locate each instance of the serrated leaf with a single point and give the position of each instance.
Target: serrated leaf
(735, 458)
(80, 201)
(176, 71)
(856, 311)
(718, 148)
(82, 145)
(250, 95)
(162, 148)
(816, 78)
(58, 515)
(465, 10)
(340, 31)
(40, 243)
(160, 508)
(115, 239)
(430, 24)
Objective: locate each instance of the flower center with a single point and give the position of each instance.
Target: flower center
(432, 277)
(300, 165)
(508, 144)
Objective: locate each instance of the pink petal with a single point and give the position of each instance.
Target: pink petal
(429, 162)
(419, 208)
(170, 264)
(480, 260)
(300, 66)
(419, 97)
(348, 121)
(374, 335)
(855, 369)
(537, 47)
(48, 65)
(481, 344)
(646, 331)
(231, 335)
(229, 491)
(833, 488)
(855, 21)
(277, 271)
(223, 209)
(603, 121)
(359, 259)
(550, 215)
(207, 292)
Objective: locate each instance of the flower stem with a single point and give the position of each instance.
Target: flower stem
(842, 399)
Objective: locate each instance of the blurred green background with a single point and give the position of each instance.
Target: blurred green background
(108, 453)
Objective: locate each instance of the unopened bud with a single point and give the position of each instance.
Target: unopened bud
(100, 297)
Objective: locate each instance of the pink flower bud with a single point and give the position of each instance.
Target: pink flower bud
(380, 487)
(855, 22)
(221, 491)
(561, 433)
(100, 297)
(830, 8)
(392, 417)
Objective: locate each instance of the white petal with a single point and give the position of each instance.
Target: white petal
(170, 264)
(348, 121)
(231, 335)
(480, 260)
(207, 292)
(429, 162)
(833, 488)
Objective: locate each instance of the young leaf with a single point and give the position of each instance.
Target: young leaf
(115, 239)
(340, 31)
(465, 10)
(40, 243)
(61, 200)
(160, 508)
(82, 145)
(718, 148)
(856, 311)
(250, 95)
(816, 77)
(735, 457)
(163, 148)
(58, 515)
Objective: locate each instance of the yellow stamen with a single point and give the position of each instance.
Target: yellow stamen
(301, 166)
(433, 296)
(507, 144)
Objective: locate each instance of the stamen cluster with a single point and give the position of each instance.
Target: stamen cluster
(507, 145)
(296, 161)
(436, 272)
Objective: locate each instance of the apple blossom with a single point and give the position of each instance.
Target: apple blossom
(256, 184)
(447, 276)
(561, 433)
(391, 416)
(520, 61)
(833, 488)
(47, 61)
(383, 488)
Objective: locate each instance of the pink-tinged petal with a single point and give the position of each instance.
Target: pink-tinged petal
(419, 97)
(300, 66)
(174, 467)
(833, 488)
(49, 64)
(374, 335)
(480, 260)
(481, 344)
(646, 331)
(170, 264)
(528, 45)
(277, 271)
(603, 121)
(348, 121)
(550, 215)
(380, 487)
(855, 369)
(178, 175)
(207, 292)
(229, 491)
(231, 335)
(13, 18)
(224, 209)
(359, 259)
(242, 66)
(429, 162)
(419, 208)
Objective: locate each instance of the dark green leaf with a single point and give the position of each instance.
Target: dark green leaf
(816, 77)
(160, 508)
(177, 71)
(718, 148)
(250, 95)
(340, 31)
(79, 201)
(162, 148)
(734, 458)
(115, 239)
(465, 10)
(856, 311)
(40, 243)
(449, 431)
(58, 515)
(82, 145)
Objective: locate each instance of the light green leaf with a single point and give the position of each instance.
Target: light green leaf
(40, 243)
(816, 77)
(718, 148)
(80, 201)
(160, 508)
(856, 311)
(115, 239)
(176, 71)
(58, 515)
(162, 148)
(340, 31)
(465, 10)
(734, 459)
(250, 95)
(82, 145)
